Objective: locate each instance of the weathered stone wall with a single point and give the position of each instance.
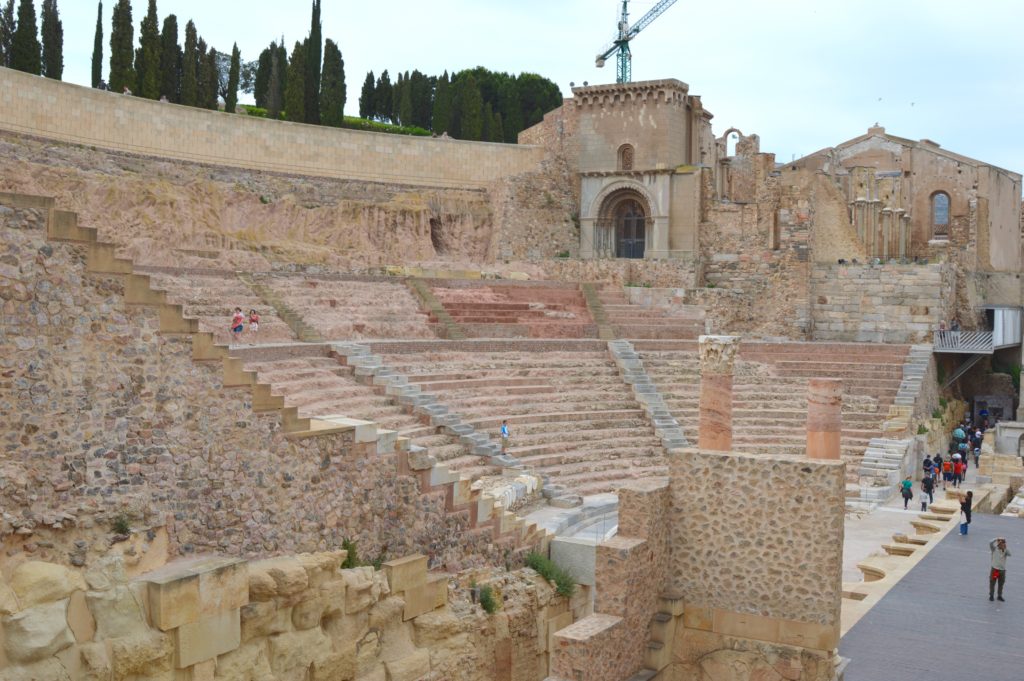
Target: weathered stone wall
(44, 108)
(104, 416)
(880, 303)
(293, 618)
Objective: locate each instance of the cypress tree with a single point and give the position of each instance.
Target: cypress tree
(97, 48)
(7, 26)
(282, 60)
(202, 74)
(212, 79)
(486, 121)
(170, 60)
(405, 111)
(262, 80)
(53, 41)
(384, 98)
(25, 49)
(511, 110)
(497, 129)
(275, 95)
(295, 91)
(396, 97)
(147, 67)
(368, 98)
(231, 99)
(189, 60)
(332, 86)
(441, 116)
(313, 54)
(471, 106)
(122, 35)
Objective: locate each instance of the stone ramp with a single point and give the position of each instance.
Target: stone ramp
(937, 624)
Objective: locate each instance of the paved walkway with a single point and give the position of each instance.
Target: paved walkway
(937, 623)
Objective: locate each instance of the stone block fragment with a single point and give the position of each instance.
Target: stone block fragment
(429, 596)
(81, 621)
(144, 654)
(37, 582)
(406, 573)
(37, 632)
(116, 612)
(410, 667)
(207, 638)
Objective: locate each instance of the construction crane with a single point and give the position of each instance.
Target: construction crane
(626, 33)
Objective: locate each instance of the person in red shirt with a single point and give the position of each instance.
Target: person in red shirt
(237, 324)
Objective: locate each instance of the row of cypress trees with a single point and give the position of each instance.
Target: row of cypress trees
(20, 44)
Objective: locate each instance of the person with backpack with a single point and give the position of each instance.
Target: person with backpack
(947, 473)
(927, 465)
(997, 575)
(906, 487)
(927, 488)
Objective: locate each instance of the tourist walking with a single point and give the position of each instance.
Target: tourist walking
(504, 436)
(254, 322)
(927, 465)
(963, 521)
(237, 324)
(907, 491)
(966, 505)
(998, 573)
(928, 487)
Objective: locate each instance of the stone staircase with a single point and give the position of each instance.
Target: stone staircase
(630, 320)
(572, 418)
(884, 464)
(303, 331)
(646, 393)
(597, 311)
(432, 306)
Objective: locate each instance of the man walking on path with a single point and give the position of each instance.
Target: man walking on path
(998, 573)
(504, 436)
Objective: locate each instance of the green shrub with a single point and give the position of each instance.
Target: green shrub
(352, 559)
(487, 600)
(121, 525)
(564, 583)
(353, 123)
(943, 402)
(562, 254)
(936, 413)
(921, 430)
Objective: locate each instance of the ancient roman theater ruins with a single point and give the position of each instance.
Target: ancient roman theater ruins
(708, 362)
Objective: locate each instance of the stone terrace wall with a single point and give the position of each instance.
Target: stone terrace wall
(71, 113)
(880, 303)
(104, 415)
(295, 618)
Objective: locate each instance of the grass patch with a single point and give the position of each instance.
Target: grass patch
(564, 583)
(487, 599)
(936, 413)
(943, 403)
(121, 525)
(921, 430)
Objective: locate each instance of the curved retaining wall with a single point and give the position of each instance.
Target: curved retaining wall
(71, 113)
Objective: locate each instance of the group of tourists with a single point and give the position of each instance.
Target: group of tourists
(238, 323)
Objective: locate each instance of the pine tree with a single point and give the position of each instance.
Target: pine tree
(8, 24)
(53, 41)
(25, 49)
(384, 97)
(122, 36)
(147, 66)
(441, 115)
(295, 92)
(368, 98)
(231, 99)
(189, 62)
(275, 95)
(332, 86)
(313, 55)
(170, 60)
(97, 48)
(471, 107)
(262, 81)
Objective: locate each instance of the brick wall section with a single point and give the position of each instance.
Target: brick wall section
(880, 303)
(104, 414)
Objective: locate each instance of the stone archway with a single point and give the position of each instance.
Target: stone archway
(623, 224)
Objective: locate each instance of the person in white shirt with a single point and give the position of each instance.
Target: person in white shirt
(998, 574)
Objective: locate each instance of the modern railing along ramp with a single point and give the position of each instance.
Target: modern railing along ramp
(965, 342)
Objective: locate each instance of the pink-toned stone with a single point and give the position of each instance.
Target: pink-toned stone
(717, 358)
(824, 418)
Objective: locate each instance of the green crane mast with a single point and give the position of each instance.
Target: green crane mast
(620, 45)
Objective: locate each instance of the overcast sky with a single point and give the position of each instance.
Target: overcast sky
(803, 74)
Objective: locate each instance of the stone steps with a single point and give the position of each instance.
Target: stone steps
(593, 447)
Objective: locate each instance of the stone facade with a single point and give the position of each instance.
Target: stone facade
(292, 618)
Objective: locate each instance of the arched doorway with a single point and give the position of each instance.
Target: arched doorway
(630, 229)
(623, 225)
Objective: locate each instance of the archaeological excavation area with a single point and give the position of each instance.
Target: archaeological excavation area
(558, 410)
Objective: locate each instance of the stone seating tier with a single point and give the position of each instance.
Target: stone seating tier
(509, 311)
(571, 415)
(649, 322)
(354, 309)
(212, 299)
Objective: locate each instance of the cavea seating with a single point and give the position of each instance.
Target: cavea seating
(571, 415)
(212, 298)
(353, 309)
(548, 310)
(630, 320)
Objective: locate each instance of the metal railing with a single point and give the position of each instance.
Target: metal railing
(974, 342)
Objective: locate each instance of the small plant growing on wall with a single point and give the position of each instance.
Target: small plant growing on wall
(564, 583)
(352, 557)
(921, 430)
(121, 525)
(488, 601)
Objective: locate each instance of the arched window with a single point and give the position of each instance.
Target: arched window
(940, 215)
(730, 144)
(626, 153)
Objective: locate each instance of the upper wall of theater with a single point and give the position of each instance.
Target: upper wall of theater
(72, 113)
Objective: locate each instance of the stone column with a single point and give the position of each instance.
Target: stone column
(717, 355)
(824, 418)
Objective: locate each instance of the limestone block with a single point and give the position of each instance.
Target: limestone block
(116, 612)
(94, 662)
(287, 577)
(434, 627)
(296, 650)
(203, 671)
(429, 596)
(248, 662)
(554, 625)
(143, 654)
(264, 618)
(38, 582)
(458, 647)
(47, 670)
(38, 632)
(307, 613)
(360, 589)
(223, 585)
(322, 567)
(81, 621)
(409, 668)
(337, 663)
(207, 638)
(8, 601)
(173, 602)
(333, 596)
(406, 573)
(387, 613)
